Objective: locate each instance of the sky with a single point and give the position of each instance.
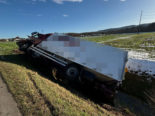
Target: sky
(21, 17)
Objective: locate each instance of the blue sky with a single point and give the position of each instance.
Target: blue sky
(21, 17)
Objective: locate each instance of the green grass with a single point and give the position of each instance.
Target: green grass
(7, 47)
(104, 37)
(144, 41)
(37, 95)
(26, 95)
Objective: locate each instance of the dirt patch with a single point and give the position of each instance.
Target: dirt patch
(129, 103)
(117, 110)
(140, 86)
(16, 51)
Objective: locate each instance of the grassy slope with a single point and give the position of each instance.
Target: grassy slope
(28, 99)
(36, 95)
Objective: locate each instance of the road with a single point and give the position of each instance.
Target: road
(8, 106)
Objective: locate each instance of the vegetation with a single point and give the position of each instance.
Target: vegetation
(7, 47)
(144, 41)
(37, 95)
(104, 37)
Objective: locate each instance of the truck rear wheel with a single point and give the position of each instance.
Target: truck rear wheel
(72, 73)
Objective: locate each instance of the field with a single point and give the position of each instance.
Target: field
(138, 42)
(104, 37)
(37, 93)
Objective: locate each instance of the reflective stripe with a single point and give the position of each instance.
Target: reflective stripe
(49, 56)
(53, 56)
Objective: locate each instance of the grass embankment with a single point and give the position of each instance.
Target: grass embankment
(36, 95)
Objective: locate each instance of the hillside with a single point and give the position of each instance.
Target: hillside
(149, 27)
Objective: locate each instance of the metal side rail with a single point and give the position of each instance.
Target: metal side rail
(49, 56)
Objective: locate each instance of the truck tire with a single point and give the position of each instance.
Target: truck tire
(72, 73)
(24, 47)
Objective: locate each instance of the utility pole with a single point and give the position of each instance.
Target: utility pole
(141, 14)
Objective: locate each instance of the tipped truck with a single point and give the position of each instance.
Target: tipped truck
(79, 60)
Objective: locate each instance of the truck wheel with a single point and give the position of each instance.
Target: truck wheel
(72, 73)
(24, 46)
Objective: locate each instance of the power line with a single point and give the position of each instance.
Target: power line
(140, 17)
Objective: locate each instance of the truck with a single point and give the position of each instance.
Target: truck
(79, 60)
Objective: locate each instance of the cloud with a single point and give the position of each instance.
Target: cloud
(39, 15)
(39, 0)
(122, 0)
(57, 1)
(61, 1)
(109, 0)
(42, 0)
(3, 1)
(65, 15)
